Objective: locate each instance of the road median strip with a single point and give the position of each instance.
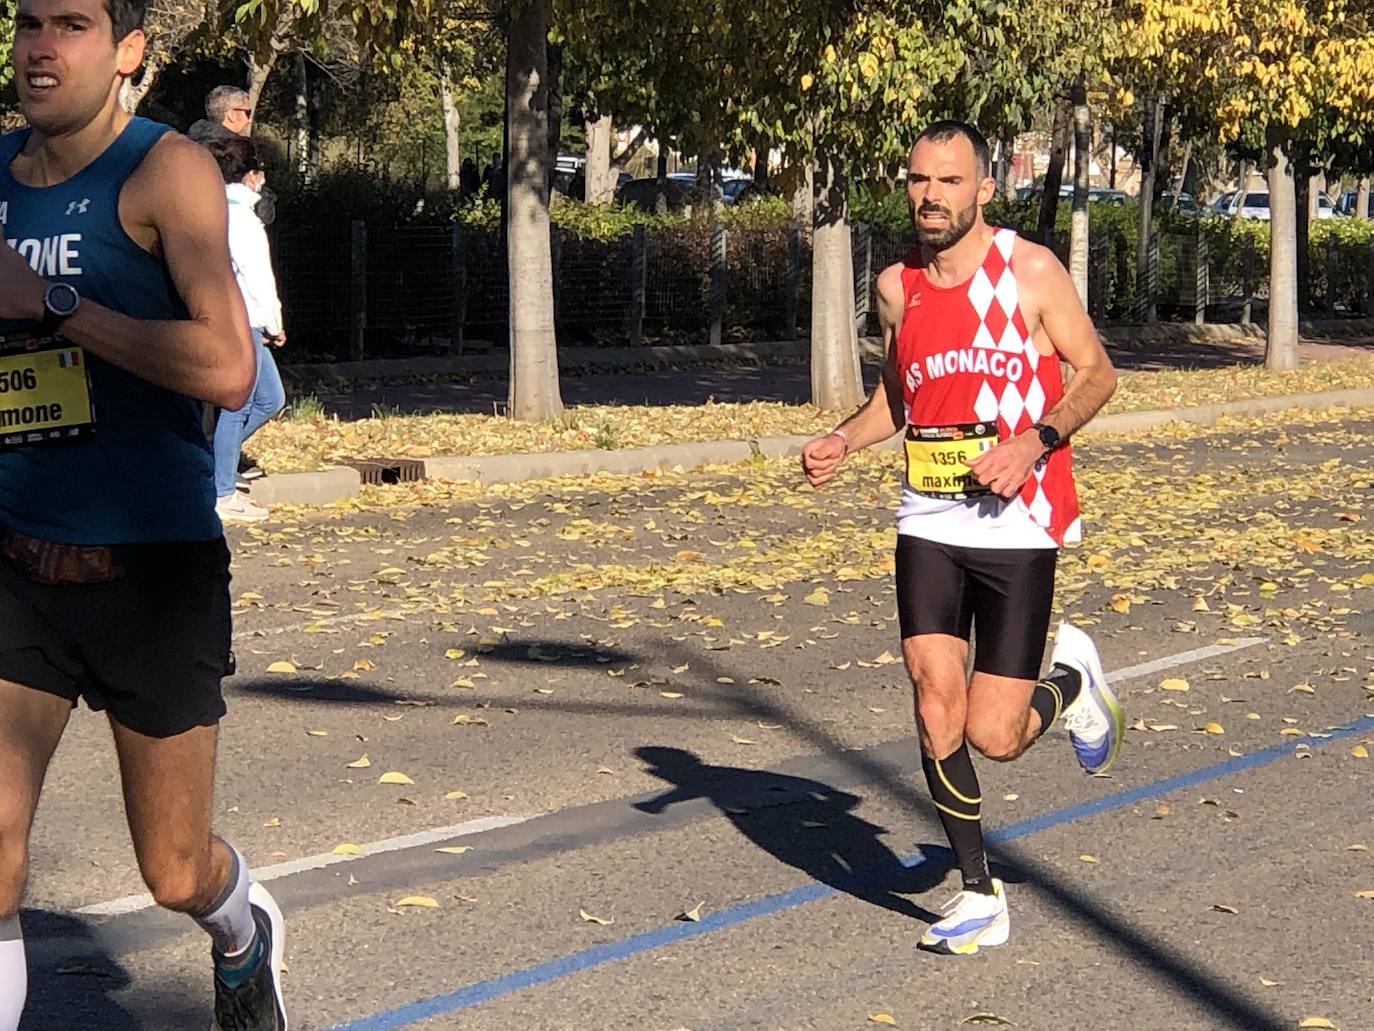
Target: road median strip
(324, 486)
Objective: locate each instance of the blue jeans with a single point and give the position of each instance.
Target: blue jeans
(233, 428)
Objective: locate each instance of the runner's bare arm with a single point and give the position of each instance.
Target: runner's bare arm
(1056, 307)
(881, 415)
(1056, 316)
(175, 203)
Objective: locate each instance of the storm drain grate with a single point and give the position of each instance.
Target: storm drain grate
(388, 470)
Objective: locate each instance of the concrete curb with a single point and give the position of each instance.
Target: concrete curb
(338, 482)
(344, 375)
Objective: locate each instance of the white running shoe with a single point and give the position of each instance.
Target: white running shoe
(1094, 720)
(968, 921)
(236, 508)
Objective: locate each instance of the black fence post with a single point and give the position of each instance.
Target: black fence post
(637, 287)
(792, 290)
(357, 348)
(457, 287)
(1247, 285)
(1201, 280)
(863, 277)
(717, 284)
(1331, 263)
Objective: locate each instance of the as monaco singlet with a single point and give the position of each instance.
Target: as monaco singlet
(971, 377)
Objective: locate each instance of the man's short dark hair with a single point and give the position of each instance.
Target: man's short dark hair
(126, 16)
(943, 132)
(221, 99)
(236, 157)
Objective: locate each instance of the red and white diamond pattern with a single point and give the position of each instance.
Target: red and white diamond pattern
(995, 298)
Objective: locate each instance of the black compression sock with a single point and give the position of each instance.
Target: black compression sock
(954, 789)
(1054, 693)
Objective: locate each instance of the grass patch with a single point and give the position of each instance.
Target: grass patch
(307, 440)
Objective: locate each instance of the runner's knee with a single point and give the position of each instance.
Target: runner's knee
(997, 741)
(180, 882)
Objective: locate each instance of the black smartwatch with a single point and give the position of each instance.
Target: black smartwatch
(1049, 436)
(60, 302)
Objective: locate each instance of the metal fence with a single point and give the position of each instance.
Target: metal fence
(385, 291)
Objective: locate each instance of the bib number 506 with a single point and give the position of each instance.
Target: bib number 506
(18, 379)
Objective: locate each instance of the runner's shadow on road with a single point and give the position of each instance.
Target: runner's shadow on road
(808, 825)
(85, 988)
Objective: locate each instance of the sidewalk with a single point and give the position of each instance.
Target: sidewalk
(325, 486)
(785, 378)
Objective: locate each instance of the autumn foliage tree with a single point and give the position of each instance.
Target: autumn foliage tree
(1283, 71)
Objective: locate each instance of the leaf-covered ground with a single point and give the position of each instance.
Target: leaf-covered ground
(288, 445)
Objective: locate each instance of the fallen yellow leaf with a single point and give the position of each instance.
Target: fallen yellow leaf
(347, 849)
(1360, 752)
(603, 921)
(1174, 684)
(394, 777)
(454, 850)
(361, 763)
(1317, 1022)
(692, 915)
(882, 1018)
(419, 901)
(282, 666)
(455, 796)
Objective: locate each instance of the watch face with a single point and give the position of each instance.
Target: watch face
(62, 299)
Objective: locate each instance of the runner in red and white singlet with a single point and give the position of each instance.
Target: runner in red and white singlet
(977, 324)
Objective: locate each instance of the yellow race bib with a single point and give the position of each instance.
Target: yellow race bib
(937, 459)
(44, 391)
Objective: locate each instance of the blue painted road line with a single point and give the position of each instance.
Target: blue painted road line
(507, 984)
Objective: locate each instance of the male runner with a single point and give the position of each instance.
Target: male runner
(118, 307)
(976, 321)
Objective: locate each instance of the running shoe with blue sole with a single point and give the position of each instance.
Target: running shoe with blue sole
(969, 921)
(256, 1003)
(1094, 719)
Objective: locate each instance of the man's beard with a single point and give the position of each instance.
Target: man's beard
(954, 230)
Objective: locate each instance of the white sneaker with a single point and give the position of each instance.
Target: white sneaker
(1094, 720)
(970, 920)
(238, 509)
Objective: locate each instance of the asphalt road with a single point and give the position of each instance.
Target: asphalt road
(717, 648)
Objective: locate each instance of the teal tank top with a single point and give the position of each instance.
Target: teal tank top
(146, 473)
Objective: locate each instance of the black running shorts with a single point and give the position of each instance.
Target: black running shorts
(150, 645)
(1005, 592)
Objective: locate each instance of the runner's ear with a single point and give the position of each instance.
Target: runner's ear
(129, 53)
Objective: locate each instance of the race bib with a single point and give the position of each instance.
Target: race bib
(937, 459)
(45, 393)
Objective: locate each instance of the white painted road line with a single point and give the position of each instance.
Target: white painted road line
(134, 903)
(1183, 658)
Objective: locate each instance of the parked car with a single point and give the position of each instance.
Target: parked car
(1255, 205)
(653, 195)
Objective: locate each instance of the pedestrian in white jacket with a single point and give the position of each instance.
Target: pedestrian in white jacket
(244, 176)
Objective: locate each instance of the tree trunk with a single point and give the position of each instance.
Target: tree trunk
(534, 392)
(836, 379)
(597, 174)
(1316, 186)
(1281, 348)
(130, 96)
(762, 153)
(1153, 125)
(1006, 168)
(1243, 187)
(804, 201)
(1082, 159)
(1182, 177)
(1111, 174)
(257, 77)
(1362, 198)
(303, 145)
(554, 76)
(453, 149)
(1054, 174)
